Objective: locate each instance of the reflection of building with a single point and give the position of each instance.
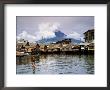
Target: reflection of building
(89, 35)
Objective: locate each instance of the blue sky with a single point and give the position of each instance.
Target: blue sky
(34, 28)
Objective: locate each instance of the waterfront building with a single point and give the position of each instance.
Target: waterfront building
(41, 47)
(89, 35)
(27, 44)
(24, 46)
(20, 43)
(91, 46)
(89, 40)
(75, 47)
(67, 47)
(45, 48)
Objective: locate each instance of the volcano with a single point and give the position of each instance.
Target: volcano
(58, 37)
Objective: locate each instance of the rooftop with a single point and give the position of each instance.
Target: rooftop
(89, 31)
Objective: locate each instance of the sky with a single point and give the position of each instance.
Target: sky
(33, 28)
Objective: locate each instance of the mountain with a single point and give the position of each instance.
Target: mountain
(58, 37)
(59, 34)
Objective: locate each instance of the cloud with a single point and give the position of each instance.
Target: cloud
(45, 30)
(75, 35)
(25, 35)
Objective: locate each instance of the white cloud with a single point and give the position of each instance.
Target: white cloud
(82, 39)
(75, 35)
(25, 35)
(45, 30)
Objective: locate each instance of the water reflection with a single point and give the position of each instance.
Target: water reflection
(55, 64)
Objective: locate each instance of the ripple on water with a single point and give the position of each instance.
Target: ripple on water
(57, 64)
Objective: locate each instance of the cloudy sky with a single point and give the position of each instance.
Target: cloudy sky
(33, 28)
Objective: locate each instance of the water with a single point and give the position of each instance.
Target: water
(55, 64)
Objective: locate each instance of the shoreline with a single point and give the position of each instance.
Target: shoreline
(90, 52)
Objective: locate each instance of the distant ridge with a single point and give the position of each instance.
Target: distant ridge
(58, 37)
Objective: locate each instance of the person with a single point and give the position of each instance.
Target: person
(33, 63)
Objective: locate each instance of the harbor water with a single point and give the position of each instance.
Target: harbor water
(55, 64)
